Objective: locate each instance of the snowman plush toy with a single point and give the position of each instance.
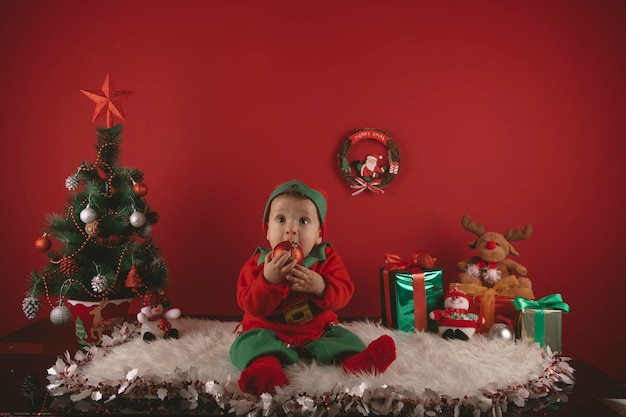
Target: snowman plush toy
(455, 320)
(154, 317)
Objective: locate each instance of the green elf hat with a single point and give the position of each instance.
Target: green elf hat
(295, 187)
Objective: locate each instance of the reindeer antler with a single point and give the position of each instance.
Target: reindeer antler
(518, 234)
(477, 229)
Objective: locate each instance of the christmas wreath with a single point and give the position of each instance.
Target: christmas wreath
(371, 174)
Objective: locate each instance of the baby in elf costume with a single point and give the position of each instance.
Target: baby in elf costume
(289, 308)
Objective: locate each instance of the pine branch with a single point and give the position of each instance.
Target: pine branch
(108, 145)
(55, 221)
(114, 224)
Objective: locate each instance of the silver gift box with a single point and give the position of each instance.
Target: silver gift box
(552, 328)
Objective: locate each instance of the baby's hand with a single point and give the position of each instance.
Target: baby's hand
(305, 280)
(275, 269)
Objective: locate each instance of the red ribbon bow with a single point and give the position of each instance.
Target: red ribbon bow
(396, 261)
(364, 185)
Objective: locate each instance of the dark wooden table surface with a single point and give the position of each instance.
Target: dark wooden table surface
(26, 354)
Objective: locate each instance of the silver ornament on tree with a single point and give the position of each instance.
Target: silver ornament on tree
(88, 215)
(500, 331)
(159, 264)
(71, 182)
(99, 282)
(137, 219)
(61, 315)
(31, 306)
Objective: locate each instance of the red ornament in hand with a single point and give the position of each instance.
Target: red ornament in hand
(289, 246)
(43, 243)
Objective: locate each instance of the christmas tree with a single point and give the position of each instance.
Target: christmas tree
(104, 245)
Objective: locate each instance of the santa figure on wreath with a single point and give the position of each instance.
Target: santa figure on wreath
(370, 168)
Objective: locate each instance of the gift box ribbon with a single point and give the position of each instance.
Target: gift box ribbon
(549, 302)
(420, 316)
(397, 262)
(506, 287)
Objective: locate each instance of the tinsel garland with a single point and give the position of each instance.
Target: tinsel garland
(184, 390)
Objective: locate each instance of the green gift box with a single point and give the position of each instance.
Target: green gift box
(540, 320)
(408, 294)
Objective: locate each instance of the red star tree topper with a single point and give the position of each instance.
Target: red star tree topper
(108, 100)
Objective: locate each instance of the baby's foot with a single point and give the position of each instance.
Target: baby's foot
(376, 357)
(264, 374)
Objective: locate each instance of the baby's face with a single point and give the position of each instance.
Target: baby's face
(295, 219)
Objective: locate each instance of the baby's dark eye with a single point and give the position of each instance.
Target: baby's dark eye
(304, 221)
(280, 219)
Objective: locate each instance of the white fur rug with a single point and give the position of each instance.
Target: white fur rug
(195, 370)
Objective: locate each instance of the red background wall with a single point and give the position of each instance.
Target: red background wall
(513, 112)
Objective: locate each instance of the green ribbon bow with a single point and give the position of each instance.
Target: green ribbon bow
(549, 302)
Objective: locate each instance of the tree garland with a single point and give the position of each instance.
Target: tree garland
(379, 180)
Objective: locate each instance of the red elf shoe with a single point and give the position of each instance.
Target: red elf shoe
(375, 359)
(264, 374)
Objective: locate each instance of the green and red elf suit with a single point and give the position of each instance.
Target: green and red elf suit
(279, 325)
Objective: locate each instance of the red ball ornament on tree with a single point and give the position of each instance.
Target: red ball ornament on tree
(140, 189)
(43, 243)
(289, 246)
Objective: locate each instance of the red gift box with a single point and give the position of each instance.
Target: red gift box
(503, 311)
(496, 304)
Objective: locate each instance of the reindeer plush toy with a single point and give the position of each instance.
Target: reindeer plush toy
(492, 262)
